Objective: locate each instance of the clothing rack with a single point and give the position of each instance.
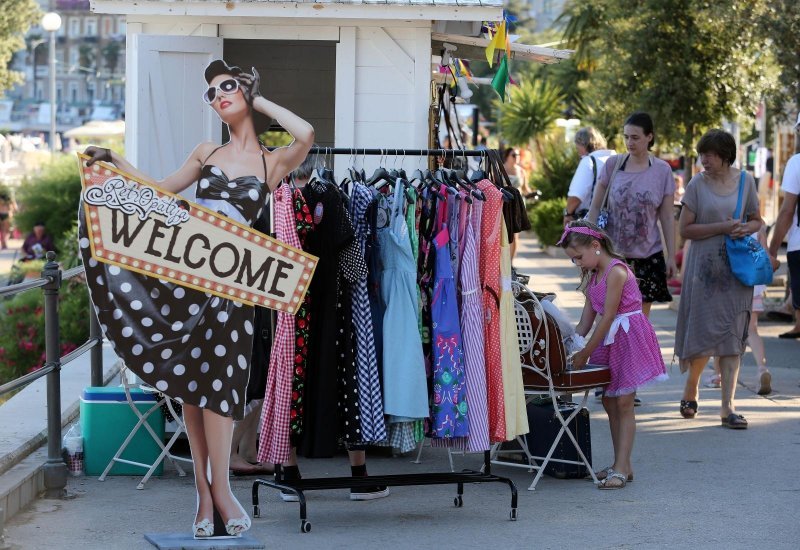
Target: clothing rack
(299, 486)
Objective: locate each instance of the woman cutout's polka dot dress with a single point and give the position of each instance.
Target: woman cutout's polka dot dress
(190, 345)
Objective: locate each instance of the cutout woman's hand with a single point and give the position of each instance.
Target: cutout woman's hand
(97, 154)
(250, 84)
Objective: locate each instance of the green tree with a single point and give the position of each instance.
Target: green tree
(16, 17)
(111, 56)
(689, 63)
(531, 113)
(782, 26)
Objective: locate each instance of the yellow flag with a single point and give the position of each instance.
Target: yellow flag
(499, 40)
(490, 49)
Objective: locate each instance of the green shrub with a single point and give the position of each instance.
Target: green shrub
(22, 334)
(547, 220)
(68, 254)
(51, 197)
(558, 166)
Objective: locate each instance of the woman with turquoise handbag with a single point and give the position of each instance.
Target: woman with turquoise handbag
(715, 304)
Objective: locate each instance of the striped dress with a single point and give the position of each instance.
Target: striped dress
(472, 333)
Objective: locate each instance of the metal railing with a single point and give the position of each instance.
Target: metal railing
(55, 470)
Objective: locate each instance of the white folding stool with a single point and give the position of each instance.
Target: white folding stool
(143, 417)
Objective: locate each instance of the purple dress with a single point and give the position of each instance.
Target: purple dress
(449, 407)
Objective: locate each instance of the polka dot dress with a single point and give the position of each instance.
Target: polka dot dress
(190, 345)
(489, 272)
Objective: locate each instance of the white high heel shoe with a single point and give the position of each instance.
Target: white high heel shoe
(237, 526)
(203, 529)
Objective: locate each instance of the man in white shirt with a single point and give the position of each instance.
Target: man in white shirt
(788, 222)
(591, 147)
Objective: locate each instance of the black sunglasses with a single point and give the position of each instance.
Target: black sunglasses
(226, 87)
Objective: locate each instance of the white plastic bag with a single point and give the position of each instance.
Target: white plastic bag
(573, 342)
(73, 443)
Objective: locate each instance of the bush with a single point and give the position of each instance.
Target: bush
(22, 335)
(547, 220)
(558, 166)
(52, 197)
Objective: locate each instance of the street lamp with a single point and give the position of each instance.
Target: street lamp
(51, 22)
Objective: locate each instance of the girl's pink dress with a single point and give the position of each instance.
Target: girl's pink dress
(630, 348)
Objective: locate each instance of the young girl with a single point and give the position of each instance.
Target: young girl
(624, 339)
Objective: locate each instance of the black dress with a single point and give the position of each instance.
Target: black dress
(190, 345)
(331, 398)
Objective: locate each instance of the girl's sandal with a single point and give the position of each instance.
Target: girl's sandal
(603, 474)
(614, 480)
(688, 409)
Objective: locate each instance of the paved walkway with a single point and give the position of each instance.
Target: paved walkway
(697, 485)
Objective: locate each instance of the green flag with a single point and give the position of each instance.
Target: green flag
(500, 80)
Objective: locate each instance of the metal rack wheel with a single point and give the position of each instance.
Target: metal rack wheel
(305, 526)
(458, 501)
(513, 515)
(256, 511)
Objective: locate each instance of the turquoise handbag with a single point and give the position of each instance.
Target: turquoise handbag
(748, 259)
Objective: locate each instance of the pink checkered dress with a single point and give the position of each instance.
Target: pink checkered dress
(631, 348)
(274, 445)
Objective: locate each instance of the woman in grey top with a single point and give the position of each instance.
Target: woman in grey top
(715, 307)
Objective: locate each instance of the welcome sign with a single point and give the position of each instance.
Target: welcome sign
(140, 227)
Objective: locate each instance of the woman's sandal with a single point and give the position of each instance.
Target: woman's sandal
(237, 526)
(688, 409)
(604, 473)
(735, 422)
(614, 480)
(203, 528)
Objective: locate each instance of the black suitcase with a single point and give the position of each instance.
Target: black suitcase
(544, 426)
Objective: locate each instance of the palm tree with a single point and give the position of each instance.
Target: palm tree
(531, 113)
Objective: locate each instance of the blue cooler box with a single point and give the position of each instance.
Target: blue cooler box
(107, 419)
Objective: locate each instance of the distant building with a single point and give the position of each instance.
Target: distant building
(90, 69)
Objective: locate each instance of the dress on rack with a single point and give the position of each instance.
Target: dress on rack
(274, 445)
(489, 269)
(373, 426)
(303, 224)
(192, 346)
(404, 385)
(472, 333)
(449, 409)
(329, 353)
(513, 389)
(631, 348)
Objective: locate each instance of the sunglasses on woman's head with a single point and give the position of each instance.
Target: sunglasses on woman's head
(226, 87)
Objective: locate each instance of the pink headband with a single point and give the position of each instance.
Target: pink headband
(580, 229)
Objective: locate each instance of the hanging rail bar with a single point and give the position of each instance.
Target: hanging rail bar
(449, 153)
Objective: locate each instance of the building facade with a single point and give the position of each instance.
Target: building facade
(90, 69)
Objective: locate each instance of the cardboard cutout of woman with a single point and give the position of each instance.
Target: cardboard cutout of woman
(190, 345)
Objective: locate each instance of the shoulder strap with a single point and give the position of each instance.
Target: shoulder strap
(594, 172)
(211, 153)
(264, 162)
(737, 213)
(621, 159)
